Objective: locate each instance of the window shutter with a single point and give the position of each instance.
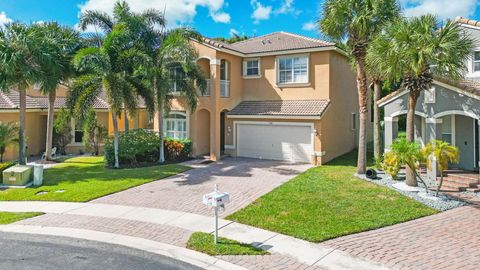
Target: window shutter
(244, 69)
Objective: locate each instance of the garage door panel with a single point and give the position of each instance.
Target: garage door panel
(278, 142)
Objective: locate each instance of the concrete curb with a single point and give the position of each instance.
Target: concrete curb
(305, 252)
(177, 253)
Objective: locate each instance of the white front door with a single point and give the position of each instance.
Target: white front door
(277, 141)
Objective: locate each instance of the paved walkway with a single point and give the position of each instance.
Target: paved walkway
(449, 240)
(246, 180)
(174, 227)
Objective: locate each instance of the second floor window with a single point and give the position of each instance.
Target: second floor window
(251, 68)
(476, 61)
(293, 70)
(176, 77)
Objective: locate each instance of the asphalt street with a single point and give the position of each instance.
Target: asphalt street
(38, 252)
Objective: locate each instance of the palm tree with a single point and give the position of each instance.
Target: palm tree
(61, 43)
(176, 51)
(357, 22)
(20, 51)
(408, 49)
(8, 137)
(107, 69)
(141, 26)
(443, 154)
(407, 153)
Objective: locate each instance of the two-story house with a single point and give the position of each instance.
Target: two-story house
(280, 96)
(449, 111)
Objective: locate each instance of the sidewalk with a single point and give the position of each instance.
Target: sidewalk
(98, 217)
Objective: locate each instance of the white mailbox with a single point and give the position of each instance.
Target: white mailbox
(216, 199)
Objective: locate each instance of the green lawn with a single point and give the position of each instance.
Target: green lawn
(203, 242)
(7, 218)
(327, 202)
(82, 179)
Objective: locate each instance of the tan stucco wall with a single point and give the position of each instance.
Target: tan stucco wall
(35, 132)
(336, 134)
(265, 87)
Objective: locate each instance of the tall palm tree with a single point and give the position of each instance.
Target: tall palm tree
(141, 26)
(444, 153)
(357, 22)
(8, 137)
(176, 51)
(61, 43)
(20, 51)
(107, 69)
(409, 48)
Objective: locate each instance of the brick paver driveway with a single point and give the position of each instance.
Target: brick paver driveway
(450, 240)
(245, 180)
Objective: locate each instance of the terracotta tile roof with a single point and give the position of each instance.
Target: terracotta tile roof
(467, 21)
(278, 41)
(281, 108)
(11, 101)
(470, 86)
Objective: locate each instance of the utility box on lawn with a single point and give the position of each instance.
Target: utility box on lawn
(18, 175)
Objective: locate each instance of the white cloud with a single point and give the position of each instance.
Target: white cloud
(309, 26)
(4, 19)
(286, 7)
(234, 32)
(221, 17)
(176, 11)
(444, 9)
(260, 12)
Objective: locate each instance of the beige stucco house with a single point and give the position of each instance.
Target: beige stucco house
(280, 96)
(36, 120)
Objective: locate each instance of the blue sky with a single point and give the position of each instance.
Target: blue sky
(222, 17)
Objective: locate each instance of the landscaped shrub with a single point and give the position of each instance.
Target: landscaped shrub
(176, 150)
(140, 147)
(62, 134)
(3, 167)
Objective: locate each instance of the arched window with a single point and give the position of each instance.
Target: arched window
(175, 126)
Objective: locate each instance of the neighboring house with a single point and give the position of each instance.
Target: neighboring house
(280, 96)
(36, 119)
(449, 111)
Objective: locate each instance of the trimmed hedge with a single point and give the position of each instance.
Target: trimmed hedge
(3, 167)
(140, 146)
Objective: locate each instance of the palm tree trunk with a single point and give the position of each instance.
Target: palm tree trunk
(439, 185)
(51, 108)
(21, 131)
(125, 118)
(161, 158)
(411, 180)
(363, 111)
(115, 139)
(377, 92)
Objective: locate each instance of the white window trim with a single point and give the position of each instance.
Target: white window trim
(176, 92)
(471, 65)
(292, 84)
(187, 119)
(475, 61)
(244, 68)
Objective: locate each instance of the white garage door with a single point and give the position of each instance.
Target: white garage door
(275, 141)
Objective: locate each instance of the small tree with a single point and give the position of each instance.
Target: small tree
(8, 137)
(443, 153)
(93, 134)
(62, 130)
(405, 153)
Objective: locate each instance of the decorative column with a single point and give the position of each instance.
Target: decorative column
(391, 131)
(214, 113)
(433, 130)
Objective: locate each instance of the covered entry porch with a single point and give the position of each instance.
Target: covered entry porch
(447, 112)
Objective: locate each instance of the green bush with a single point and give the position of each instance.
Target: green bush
(177, 150)
(3, 167)
(141, 146)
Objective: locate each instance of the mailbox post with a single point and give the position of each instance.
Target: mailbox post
(216, 200)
